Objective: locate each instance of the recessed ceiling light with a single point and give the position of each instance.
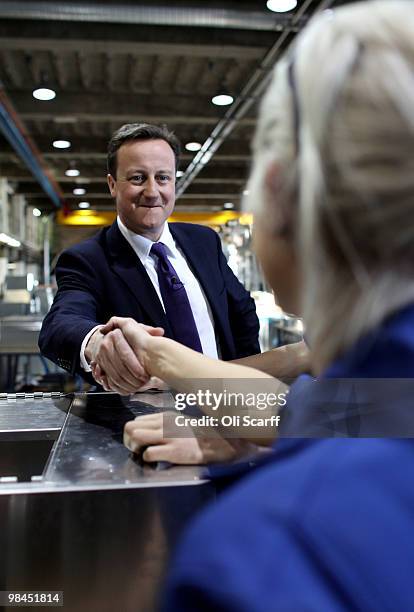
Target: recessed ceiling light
(222, 100)
(179, 173)
(43, 93)
(193, 146)
(281, 6)
(72, 172)
(83, 204)
(246, 192)
(61, 144)
(36, 212)
(79, 191)
(228, 205)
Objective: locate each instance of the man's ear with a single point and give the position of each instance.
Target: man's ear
(111, 184)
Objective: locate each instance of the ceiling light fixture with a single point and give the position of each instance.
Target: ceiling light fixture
(228, 205)
(281, 6)
(79, 191)
(36, 212)
(72, 172)
(222, 100)
(83, 205)
(61, 144)
(193, 146)
(43, 93)
(179, 173)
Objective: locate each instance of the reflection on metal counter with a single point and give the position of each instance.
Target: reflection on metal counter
(79, 512)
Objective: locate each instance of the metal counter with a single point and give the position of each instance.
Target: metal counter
(79, 512)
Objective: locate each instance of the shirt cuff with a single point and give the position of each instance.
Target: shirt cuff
(84, 364)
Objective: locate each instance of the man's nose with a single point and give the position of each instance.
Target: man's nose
(151, 190)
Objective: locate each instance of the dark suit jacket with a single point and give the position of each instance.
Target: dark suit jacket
(102, 277)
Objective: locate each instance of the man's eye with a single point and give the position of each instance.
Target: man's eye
(137, 178)
(163, 177)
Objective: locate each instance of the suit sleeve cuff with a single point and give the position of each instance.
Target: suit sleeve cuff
(84, 364)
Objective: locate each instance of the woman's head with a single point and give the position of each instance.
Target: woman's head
(332, 183)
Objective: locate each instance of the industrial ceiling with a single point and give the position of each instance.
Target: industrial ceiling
(113, 63)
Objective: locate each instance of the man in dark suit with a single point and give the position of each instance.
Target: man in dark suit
(120, 272)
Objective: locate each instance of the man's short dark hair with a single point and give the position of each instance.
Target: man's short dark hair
(140, 131)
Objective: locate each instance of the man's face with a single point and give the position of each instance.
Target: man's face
(144, 187)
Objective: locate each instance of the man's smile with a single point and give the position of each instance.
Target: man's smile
(150, 205)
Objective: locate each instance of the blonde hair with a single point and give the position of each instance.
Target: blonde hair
(349, 186)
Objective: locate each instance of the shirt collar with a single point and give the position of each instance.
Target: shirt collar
(167, 239)
(141, 244)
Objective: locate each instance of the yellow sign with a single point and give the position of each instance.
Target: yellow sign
(101, 218)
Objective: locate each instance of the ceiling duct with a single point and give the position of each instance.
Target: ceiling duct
(148, 15)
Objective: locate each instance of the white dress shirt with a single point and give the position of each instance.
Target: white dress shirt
(200, 307)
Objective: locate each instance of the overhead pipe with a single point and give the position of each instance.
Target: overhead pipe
(148, 15)
(15, 133)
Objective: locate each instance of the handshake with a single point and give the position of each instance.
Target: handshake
(122, 355)
(117, 354)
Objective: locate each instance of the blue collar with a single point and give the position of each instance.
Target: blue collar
(387, 351)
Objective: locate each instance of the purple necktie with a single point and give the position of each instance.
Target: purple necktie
(176, 303)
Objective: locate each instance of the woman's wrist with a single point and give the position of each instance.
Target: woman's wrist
(299, 358)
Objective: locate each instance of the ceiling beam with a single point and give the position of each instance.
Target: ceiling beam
(139, 49)
(96, 146)
(117, 104)
(226, 191)
(72, 117)
(161, 15)
(55, 157)
(27, 182)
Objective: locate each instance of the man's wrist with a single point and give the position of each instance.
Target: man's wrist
(83, 363)
(92, 345)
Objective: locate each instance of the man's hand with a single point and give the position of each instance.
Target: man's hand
(147, 433)
(114, 364)
(136, 334)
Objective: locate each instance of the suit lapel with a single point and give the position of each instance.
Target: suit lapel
(127, 266)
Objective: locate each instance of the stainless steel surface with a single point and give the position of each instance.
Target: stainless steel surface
(106, 550)
(28, 413)
(98, 525)
(90, 451)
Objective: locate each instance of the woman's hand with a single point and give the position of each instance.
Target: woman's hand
(150, 433)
